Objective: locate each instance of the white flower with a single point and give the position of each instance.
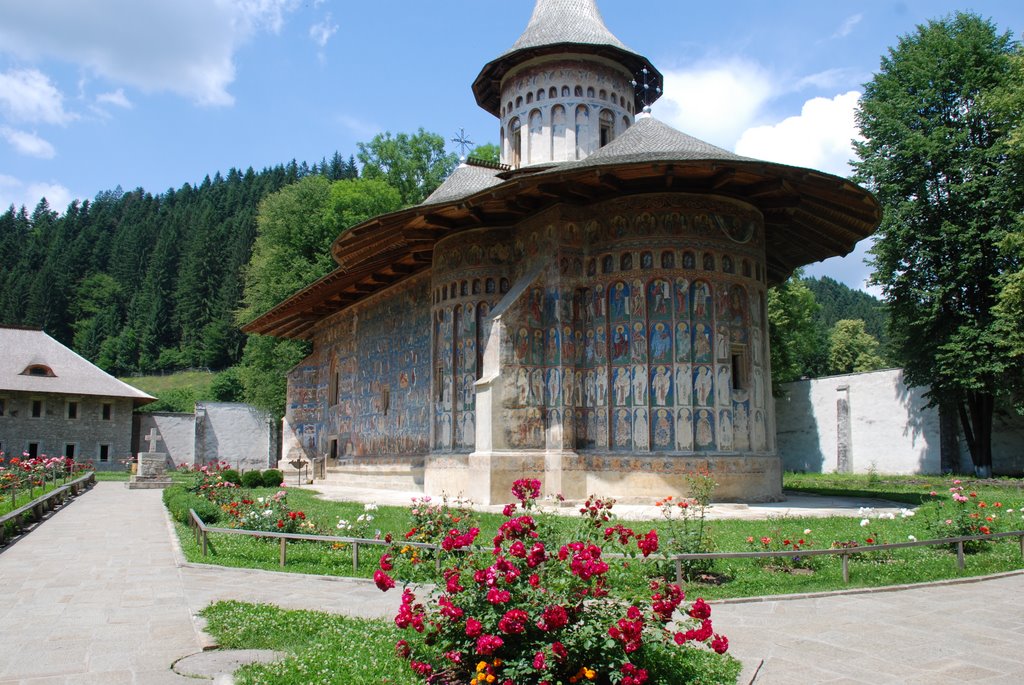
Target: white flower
(906, 513)
(807, 531)
(866, 511)
(344, 525)
(370, 507)
(887, 516)
(865, 522)
(912, 538)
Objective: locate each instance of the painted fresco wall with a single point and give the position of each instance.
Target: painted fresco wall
(630, 338)
(366, 386)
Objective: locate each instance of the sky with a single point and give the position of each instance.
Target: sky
(158, 93)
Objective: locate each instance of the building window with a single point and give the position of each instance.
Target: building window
(515, 142)
(3, 406)
(69, 450)
(39, 370)
(72, 409)
(739, 368)
(107, 411)
(37, 409)
(33, 450)
(607, 127)
(104, 453)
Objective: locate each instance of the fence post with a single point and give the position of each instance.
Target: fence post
(203, 545)
(960, 555)
(846, 568)
(1021, 541)
(355, 556)
(679, 571)
(284, 554)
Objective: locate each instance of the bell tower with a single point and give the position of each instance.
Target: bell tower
(566, 87)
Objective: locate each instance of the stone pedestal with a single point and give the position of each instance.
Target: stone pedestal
(151, 473)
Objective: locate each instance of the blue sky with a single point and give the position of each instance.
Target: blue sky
(155, 93)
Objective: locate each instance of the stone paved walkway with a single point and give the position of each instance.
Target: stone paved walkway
(94, 595)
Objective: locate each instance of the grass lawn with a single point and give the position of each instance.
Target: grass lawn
(199, 381)
(119, 475)
(24, 497)
(726, 578)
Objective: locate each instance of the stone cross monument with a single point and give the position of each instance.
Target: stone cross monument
(151, 472)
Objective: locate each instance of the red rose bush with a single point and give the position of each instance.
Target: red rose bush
(527, 611)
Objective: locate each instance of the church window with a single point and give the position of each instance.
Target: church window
(72, 409)
(508, 107)
(727, 264)
(607, 127)
(464, 288)
(504, 286)
(709, 261)
(626, 261)
(625, 123)
(607, 264)
(519, 102)
(552, 92)
(614, 97)
(578, 92)
(37, 409)
(332, 382)
(558, 152)
(515, 142)
(540, 95)
(489, 286)
(590, 92)
(529, 98)
(622, 101)
(476, 286)
(582, 130)
(536, 141)
(106, 411)
(565, 91)
(689, 260)
(603, 94)
(646, 260)
(668, 259)
(739, 368)
(69, 450)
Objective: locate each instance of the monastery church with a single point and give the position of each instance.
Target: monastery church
(590, 311)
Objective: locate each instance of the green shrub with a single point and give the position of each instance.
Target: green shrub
(272, 478)
(178, 501)
(231, 476)
(252, 479)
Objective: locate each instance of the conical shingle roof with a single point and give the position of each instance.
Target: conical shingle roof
(559, 27)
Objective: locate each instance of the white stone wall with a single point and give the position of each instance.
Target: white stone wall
(176, 432)
(239, 434)
(891, 429)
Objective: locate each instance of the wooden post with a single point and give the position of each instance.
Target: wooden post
(203, 545)
(355, 556)
(1021, 541)
(437, 559)
(679, 571)
(284, 554)
(846, 568)
(960, 555)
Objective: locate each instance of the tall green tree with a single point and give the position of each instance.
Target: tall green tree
(414, 164)
(933, 153)
(295, 229)
(851, 349)
(798, 341)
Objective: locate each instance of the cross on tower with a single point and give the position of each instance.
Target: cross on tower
(153, 438)
(650, 85)
(463, 142)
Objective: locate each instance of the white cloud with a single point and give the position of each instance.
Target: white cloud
(15, 192)
(28, 95)
(185, 47)
(116, 98)
(26, 143)
(363, 129)
(716, 101)
(322, 31)
(846, 28)
(819, 137)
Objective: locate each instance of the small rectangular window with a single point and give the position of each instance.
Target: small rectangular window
(37, 409)
(104, 453)
(33, 450)
(69, 450)
(3, 406)
(107, 411)
(739, 368)
(72, 409)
